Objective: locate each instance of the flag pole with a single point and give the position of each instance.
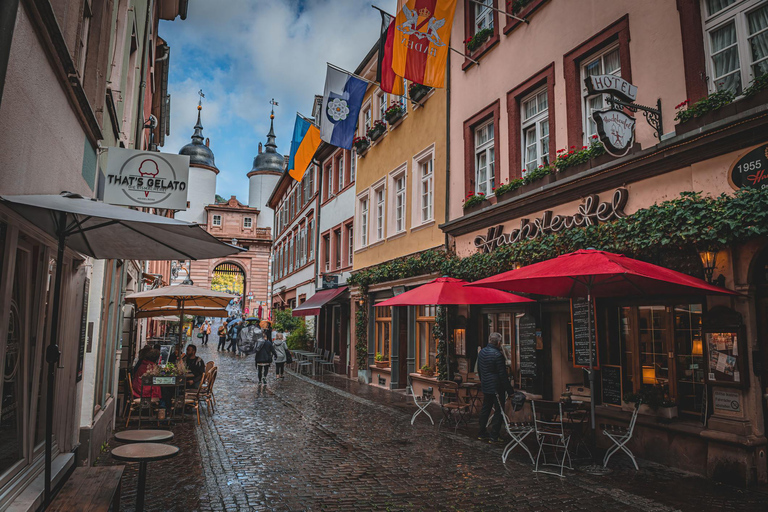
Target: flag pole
(449, 46)
(505, 13)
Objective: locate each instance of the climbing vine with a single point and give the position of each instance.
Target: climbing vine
(361, 331)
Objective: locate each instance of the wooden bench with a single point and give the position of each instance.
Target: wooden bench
(90, 490)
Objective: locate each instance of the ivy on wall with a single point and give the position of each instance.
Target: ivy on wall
(669, 233)
(361, 331)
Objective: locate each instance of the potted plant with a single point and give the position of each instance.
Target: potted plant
(380, 361)
(377, 130)
(474, 202)
(394, 113)
(427, 371)
(507, 188)
(417, 92)
(477, 40)
(361, 144)
(163, 374)
(652, 401)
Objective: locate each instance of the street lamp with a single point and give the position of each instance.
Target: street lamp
(709, 261)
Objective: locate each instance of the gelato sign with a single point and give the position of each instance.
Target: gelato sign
(591, 212)
(146, 179)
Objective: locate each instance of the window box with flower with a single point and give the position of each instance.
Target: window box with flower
(573, 160)
(378, 129)
(394, 113)
(361, 145)
(417, 92)
(479, 39)
(474, 202)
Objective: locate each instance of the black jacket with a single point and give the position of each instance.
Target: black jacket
(492, 366)
(265, 353)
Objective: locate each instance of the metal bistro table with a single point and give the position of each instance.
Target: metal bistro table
(144, 436)
(143, 453)
(179, 384)
(473, 394)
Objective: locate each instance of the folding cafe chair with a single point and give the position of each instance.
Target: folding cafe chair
(422, 402)
(550, 433)
(455, 408)
(517, 431)
(620, 437)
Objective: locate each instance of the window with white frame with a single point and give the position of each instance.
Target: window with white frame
(399, 185)
(327, 252)
(606, 63)
(483, 14)
(364, 222)
(248, 222)
(290, 255)
(380, 212)
(736, 39)
(340, 169)
(311, 238)
(350, 244)
(426, 190)
(216, 220)
(367, 123)
(485, 179)
(352, 165)
(535, 129)
(382, 104)
(329, 180)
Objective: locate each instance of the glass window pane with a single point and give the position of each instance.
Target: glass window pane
(715, 6)
(612, 62)
(593, 68)
(531, 108)
(542, 98)
(758, 40)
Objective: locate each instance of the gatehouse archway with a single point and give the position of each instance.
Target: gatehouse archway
(229, 277)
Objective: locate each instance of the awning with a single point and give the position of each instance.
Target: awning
(312, 306)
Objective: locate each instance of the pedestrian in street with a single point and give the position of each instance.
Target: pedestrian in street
(265, 352)
(281, 357)
(494, 381)
(234, 333)
(206, 331)
(222, 336)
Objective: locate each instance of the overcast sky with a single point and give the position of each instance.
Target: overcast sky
(242, 53)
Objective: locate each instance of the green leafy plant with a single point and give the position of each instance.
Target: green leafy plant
(284, 321)
(361, 330)
(571, 157)
(517, 5)
(513, 184)
(472, 199)
(715, 101)
(299, 338)
(361, 143)
(759, 83)
(537, 174)
(378, 128)
(169, 370)
(393, 113)
(426, 368)
(380, 357)
(477, 40)
(104, 447)
(415, 89)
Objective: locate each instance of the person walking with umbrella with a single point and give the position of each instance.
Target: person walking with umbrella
(493, 381)
(234, 332)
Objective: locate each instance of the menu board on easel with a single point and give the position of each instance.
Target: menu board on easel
(725, 348)
(580, 309)
(527, 345)
(611, 379)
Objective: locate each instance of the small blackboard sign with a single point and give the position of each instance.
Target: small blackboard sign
(580, 308)
(527, 333)
(612, 385)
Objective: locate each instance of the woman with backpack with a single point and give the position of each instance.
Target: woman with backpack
(281, 357)
(265, 351)
(222, 336)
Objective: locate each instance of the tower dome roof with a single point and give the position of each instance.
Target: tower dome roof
(268, 161)
(198, 151)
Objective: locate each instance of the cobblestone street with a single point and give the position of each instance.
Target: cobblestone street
(302, 444)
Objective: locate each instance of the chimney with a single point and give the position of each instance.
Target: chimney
(207, 142)
(259, 147)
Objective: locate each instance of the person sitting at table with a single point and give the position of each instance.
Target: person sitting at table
(147, 363)
(176, 354)
(195, 366)
(142, 354)
(493, 381)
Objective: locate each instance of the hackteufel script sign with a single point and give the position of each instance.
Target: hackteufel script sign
(591, 212)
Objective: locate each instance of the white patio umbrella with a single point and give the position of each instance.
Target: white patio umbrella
(104, 231)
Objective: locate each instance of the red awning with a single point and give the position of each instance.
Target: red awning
(312, 306)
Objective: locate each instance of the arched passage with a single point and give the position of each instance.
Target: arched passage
(229, 277)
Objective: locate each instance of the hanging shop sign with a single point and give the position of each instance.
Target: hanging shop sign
(615, 127)
(750, 170)
(591, 212)
(146, 178)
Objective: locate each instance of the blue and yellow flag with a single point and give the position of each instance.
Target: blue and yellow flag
(306, 140)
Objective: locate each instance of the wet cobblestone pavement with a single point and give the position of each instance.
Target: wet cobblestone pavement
(302, 444)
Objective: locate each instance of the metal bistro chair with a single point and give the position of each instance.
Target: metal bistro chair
(620, 437)
(455, 408)
(302, 362)
(422, 402)
(517, 431)
(550, 432)
(326, 361)
(196, 396)
(207, 390)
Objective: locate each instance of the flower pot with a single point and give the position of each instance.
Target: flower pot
(362, 148)
(419, 94)
(427, 373)
(667, 412)
(475, 207)
(393, 118)
(377, 132)
(382, 364)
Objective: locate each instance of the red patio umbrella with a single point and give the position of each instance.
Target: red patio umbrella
(590, 273)
(446, 291)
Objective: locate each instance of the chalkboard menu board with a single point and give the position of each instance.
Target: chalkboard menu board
(527, 333)
(580, 308)
(612, 385)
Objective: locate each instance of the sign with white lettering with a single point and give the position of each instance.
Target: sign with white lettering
(147, 179)
(610, 84)
(616, 131)
(590, 212)
(751, 169)
(727, 400)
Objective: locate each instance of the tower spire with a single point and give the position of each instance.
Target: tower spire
(271, 145)
(197, 137)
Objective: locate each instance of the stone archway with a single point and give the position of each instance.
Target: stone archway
(230, 277)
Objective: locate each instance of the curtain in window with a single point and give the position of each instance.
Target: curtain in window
(758, 22)
(725, 58)
(714, 6)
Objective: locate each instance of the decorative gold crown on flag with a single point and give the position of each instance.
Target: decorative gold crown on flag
(424, 13)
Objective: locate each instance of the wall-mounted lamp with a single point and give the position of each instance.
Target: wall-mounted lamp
(518, 265)
(709, 261)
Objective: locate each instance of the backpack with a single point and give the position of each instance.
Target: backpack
(517, 400)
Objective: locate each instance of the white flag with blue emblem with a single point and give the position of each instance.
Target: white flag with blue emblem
(342, 101)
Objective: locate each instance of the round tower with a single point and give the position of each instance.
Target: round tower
(201, 190)
(267, 168)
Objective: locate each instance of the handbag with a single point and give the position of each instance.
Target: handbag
(288, 356)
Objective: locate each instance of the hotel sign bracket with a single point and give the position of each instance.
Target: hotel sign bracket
(652, 115)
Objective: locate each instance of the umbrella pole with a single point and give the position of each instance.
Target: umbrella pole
(52, 355)
(447, 347)
(181, 324)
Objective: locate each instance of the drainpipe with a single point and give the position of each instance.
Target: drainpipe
(447, 148)
(8, 10)
(143, 86)
(317, 221)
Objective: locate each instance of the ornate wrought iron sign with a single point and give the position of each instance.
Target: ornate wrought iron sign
(615, 128)
(590, 212)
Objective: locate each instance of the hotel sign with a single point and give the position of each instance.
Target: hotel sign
(610, 84)
(616, 130)
(591, 212)
(147, 179)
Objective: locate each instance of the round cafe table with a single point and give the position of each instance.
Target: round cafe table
(143, 453)
(144, 436)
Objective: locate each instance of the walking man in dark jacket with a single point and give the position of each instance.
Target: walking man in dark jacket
(492, 366)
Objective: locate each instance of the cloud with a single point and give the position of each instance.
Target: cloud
(243, 53)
